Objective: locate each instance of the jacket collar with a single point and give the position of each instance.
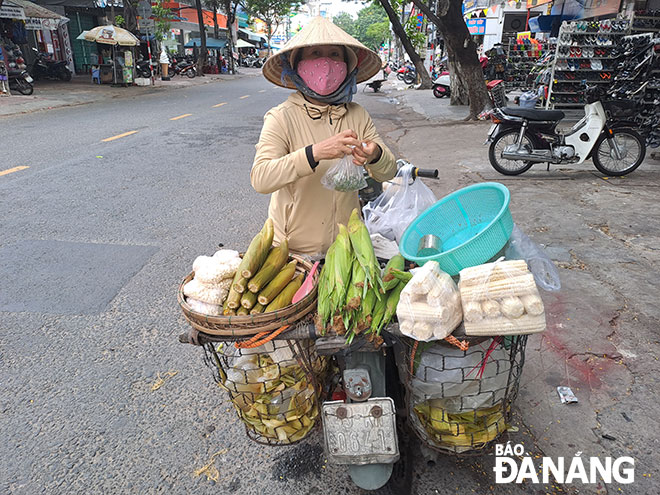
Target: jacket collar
(314, 111)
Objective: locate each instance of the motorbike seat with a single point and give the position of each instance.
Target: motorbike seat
(533, 114)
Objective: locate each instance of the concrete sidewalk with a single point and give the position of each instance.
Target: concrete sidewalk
(602, 335)
(80, 91)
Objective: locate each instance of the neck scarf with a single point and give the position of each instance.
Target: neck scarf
(343, 94)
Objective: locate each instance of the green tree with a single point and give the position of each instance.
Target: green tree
(162, 20)
(346, 22)
(272, 12)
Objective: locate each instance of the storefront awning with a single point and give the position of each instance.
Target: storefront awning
(210, 43)
(243, 44)
(252, 35)
(36, 16)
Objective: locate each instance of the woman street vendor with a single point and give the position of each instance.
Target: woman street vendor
(307, 134)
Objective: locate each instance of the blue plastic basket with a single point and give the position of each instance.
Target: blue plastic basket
(473, 223)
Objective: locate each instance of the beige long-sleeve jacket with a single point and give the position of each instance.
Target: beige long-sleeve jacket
(303, 211)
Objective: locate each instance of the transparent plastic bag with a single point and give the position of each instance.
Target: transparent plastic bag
(521, 247)
(429, 306)
(501, 298)
(390, 213)
(344, 176)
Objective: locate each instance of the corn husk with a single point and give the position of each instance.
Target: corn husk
(397, 262)
(274, 263)
(335, 278)
(285, 297)
(278, 284)
(364, 250)
(356, 289)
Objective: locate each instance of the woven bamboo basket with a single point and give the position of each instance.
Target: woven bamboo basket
(242, 326)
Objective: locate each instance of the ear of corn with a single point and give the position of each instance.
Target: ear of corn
(239, 284)
(378, 313)
(355, 290)
(284, 298)
(233, 299)
(242, 311)
(248, 300)
(390, 306)
(396, 263)
(257, 251)
(277, 284)
(343, 266)
(364, 250)
(274, 262)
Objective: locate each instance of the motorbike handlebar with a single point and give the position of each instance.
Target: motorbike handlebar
(427, 173)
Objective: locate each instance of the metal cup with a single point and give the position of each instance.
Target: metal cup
(429, 245)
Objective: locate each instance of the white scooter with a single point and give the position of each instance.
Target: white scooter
(441, 86)
(519, 138)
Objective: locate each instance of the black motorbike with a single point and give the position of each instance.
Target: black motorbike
(20, 80)
(45, 67)
(143, 69)
(183, 67)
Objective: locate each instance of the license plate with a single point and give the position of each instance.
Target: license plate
(361, 432)
(29, 79)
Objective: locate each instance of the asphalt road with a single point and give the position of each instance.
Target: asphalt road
(96, 235)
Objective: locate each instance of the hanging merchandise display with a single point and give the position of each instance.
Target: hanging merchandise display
(523, 57)
(585, 52)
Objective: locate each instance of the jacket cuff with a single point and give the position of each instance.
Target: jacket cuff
(302, 166)
(310, 157)
(380, 155)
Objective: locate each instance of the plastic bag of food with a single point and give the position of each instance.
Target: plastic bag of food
(430, 305)
(501, 298)
(344, 176)
(402, 200)
(521, 247)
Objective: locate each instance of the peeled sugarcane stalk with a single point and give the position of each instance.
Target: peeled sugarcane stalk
(285, 297)
(277, 284)
(257, 308)
(257, 251)
(275, 260)
(364, 251)
(397, 262)
(248, 300)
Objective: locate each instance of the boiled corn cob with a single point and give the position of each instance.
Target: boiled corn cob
(248, 300)
(284, 298)
(257, 251)
(277, 284)
(274, 262)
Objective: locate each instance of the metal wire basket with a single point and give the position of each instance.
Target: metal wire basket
(459, 401)
(275, 388)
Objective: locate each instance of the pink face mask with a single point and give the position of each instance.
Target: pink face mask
(322, 75)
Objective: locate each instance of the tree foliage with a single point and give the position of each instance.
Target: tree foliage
(272, 12)
(163, 20)
(371, 27)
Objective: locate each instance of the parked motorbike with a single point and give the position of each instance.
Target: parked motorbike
(143, 69)
(407, 74)
(519, 138)
(20, 81)
(442, 85)
(252, 61)
(183, 67)
(45, 67)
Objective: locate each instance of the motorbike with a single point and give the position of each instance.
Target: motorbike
(368, 386)
(519, 138)
(143, 69)
(442, 85)
(407, 74)
(252, 61)
(183, 67)
(20, 81)
(45, 67)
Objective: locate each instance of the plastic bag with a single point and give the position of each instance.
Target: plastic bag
(521, 247)
(390, 213)
(429, 306)
(344, 176)
(501, 298)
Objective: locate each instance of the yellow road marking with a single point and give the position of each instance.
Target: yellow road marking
(15, 169)
(118, 136)
(181, 116)
(219, 104)
(243, 97)
(262, 91)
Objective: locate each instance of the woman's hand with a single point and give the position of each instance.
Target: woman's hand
(336, 146)
(368, 153)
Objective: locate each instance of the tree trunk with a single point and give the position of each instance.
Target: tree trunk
(231, 16)
(216, 31)
(407, 45)
(130, 15)
(269, 26)
(465, 69)
(202, 37)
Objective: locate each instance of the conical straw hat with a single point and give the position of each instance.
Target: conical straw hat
(321, 31)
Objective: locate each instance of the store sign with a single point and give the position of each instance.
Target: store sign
(11, 12)
(36, 24)
(476, 26)
(525, 35)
